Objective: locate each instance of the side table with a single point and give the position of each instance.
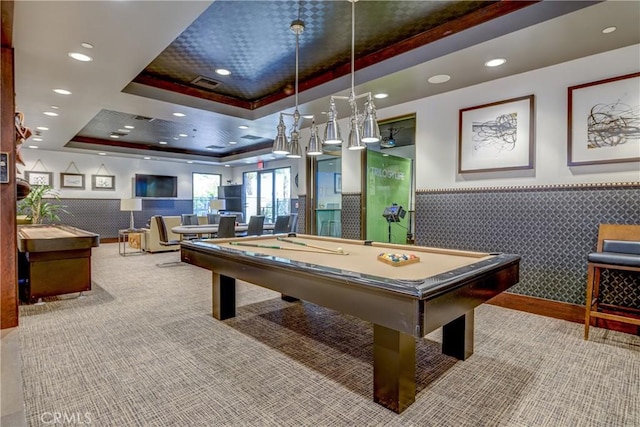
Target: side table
(125, 235)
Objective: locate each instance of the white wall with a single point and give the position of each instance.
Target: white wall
(437, 128)
(123, 168)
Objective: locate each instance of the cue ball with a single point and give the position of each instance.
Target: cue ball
(339, 249)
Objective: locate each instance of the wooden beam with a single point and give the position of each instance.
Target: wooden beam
(8, 243)
(6, 30)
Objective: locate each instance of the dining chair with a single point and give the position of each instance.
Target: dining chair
(256, 226)
(282, 224)
(227, 226)
(189, 219)
(293, 223)
(164, 240)
(213, 218)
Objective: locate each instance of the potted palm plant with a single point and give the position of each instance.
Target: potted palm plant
(41, 204)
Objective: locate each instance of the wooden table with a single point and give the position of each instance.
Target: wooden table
(403, 303)
(54, 260)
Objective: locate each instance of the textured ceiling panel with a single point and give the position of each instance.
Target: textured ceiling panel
(252, 39)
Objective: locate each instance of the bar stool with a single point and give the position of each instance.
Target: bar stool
(618, 249)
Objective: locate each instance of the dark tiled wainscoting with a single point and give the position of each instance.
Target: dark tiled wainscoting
(103, 216)
(552, 228)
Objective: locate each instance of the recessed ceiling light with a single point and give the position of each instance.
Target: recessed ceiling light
(385, 155)
(102, 154)
(86, 45)
(189, 161)
(175, 138)
(162, 142)
(124, 130)
(609, 30)
(114, 136)
(440, 78)
(227, 166)
(129, 127)
(37, 139)
(243, 127)
(50, 113)
(248, 162)
(33, 146)
(233, 142)
(62, 91)
(209, 148)
(380, 95)
(179, 114)
(184, 135)
(55, 107)
(308, 116)
(80, 56)
(42, 128)
(495, 62)
(222, 71)
(147, 158)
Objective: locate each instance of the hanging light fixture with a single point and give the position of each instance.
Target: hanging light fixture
(364, 128)
(281, 145)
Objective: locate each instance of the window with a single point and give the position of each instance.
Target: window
(268, 193)
(204, 189)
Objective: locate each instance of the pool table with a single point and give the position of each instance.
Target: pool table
(54, 259)
(403, 302)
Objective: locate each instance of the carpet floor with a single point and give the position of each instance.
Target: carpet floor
(142, 349)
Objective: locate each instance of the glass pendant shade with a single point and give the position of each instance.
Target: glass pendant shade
(295, 152)
(281, 145)
(332, 130)
(354, 136)
(314, 143)
(370, 129)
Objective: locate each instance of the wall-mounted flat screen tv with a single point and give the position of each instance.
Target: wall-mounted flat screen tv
(156, 186)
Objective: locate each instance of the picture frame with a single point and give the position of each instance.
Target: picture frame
(337, 183)
(603, 121)
(499, 136)
(39, 177)
(72, 180)
(103, 182)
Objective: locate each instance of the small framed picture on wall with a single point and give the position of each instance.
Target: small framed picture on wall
(39, 178)
(103, 182)
(72, 180)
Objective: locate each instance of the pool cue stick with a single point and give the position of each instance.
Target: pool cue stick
(335, 251)
(253, 245)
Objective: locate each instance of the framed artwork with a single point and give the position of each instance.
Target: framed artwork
(39, 178)
(604, 121)
(72, 180)
(103, 182)
(337, 182)
(499, 136)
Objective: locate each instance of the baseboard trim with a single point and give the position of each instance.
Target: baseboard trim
(557, 310)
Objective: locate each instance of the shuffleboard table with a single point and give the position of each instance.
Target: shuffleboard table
(54, 260)
(404, 302)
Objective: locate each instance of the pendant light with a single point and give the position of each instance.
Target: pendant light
(364, 129)
(281, 145)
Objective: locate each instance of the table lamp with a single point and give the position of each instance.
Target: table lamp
(131, 205)
(217, 205)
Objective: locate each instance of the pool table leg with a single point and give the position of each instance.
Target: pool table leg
(457, 336)
(224, 296)
(394, 368)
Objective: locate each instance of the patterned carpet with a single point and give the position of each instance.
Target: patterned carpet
(143, 350)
